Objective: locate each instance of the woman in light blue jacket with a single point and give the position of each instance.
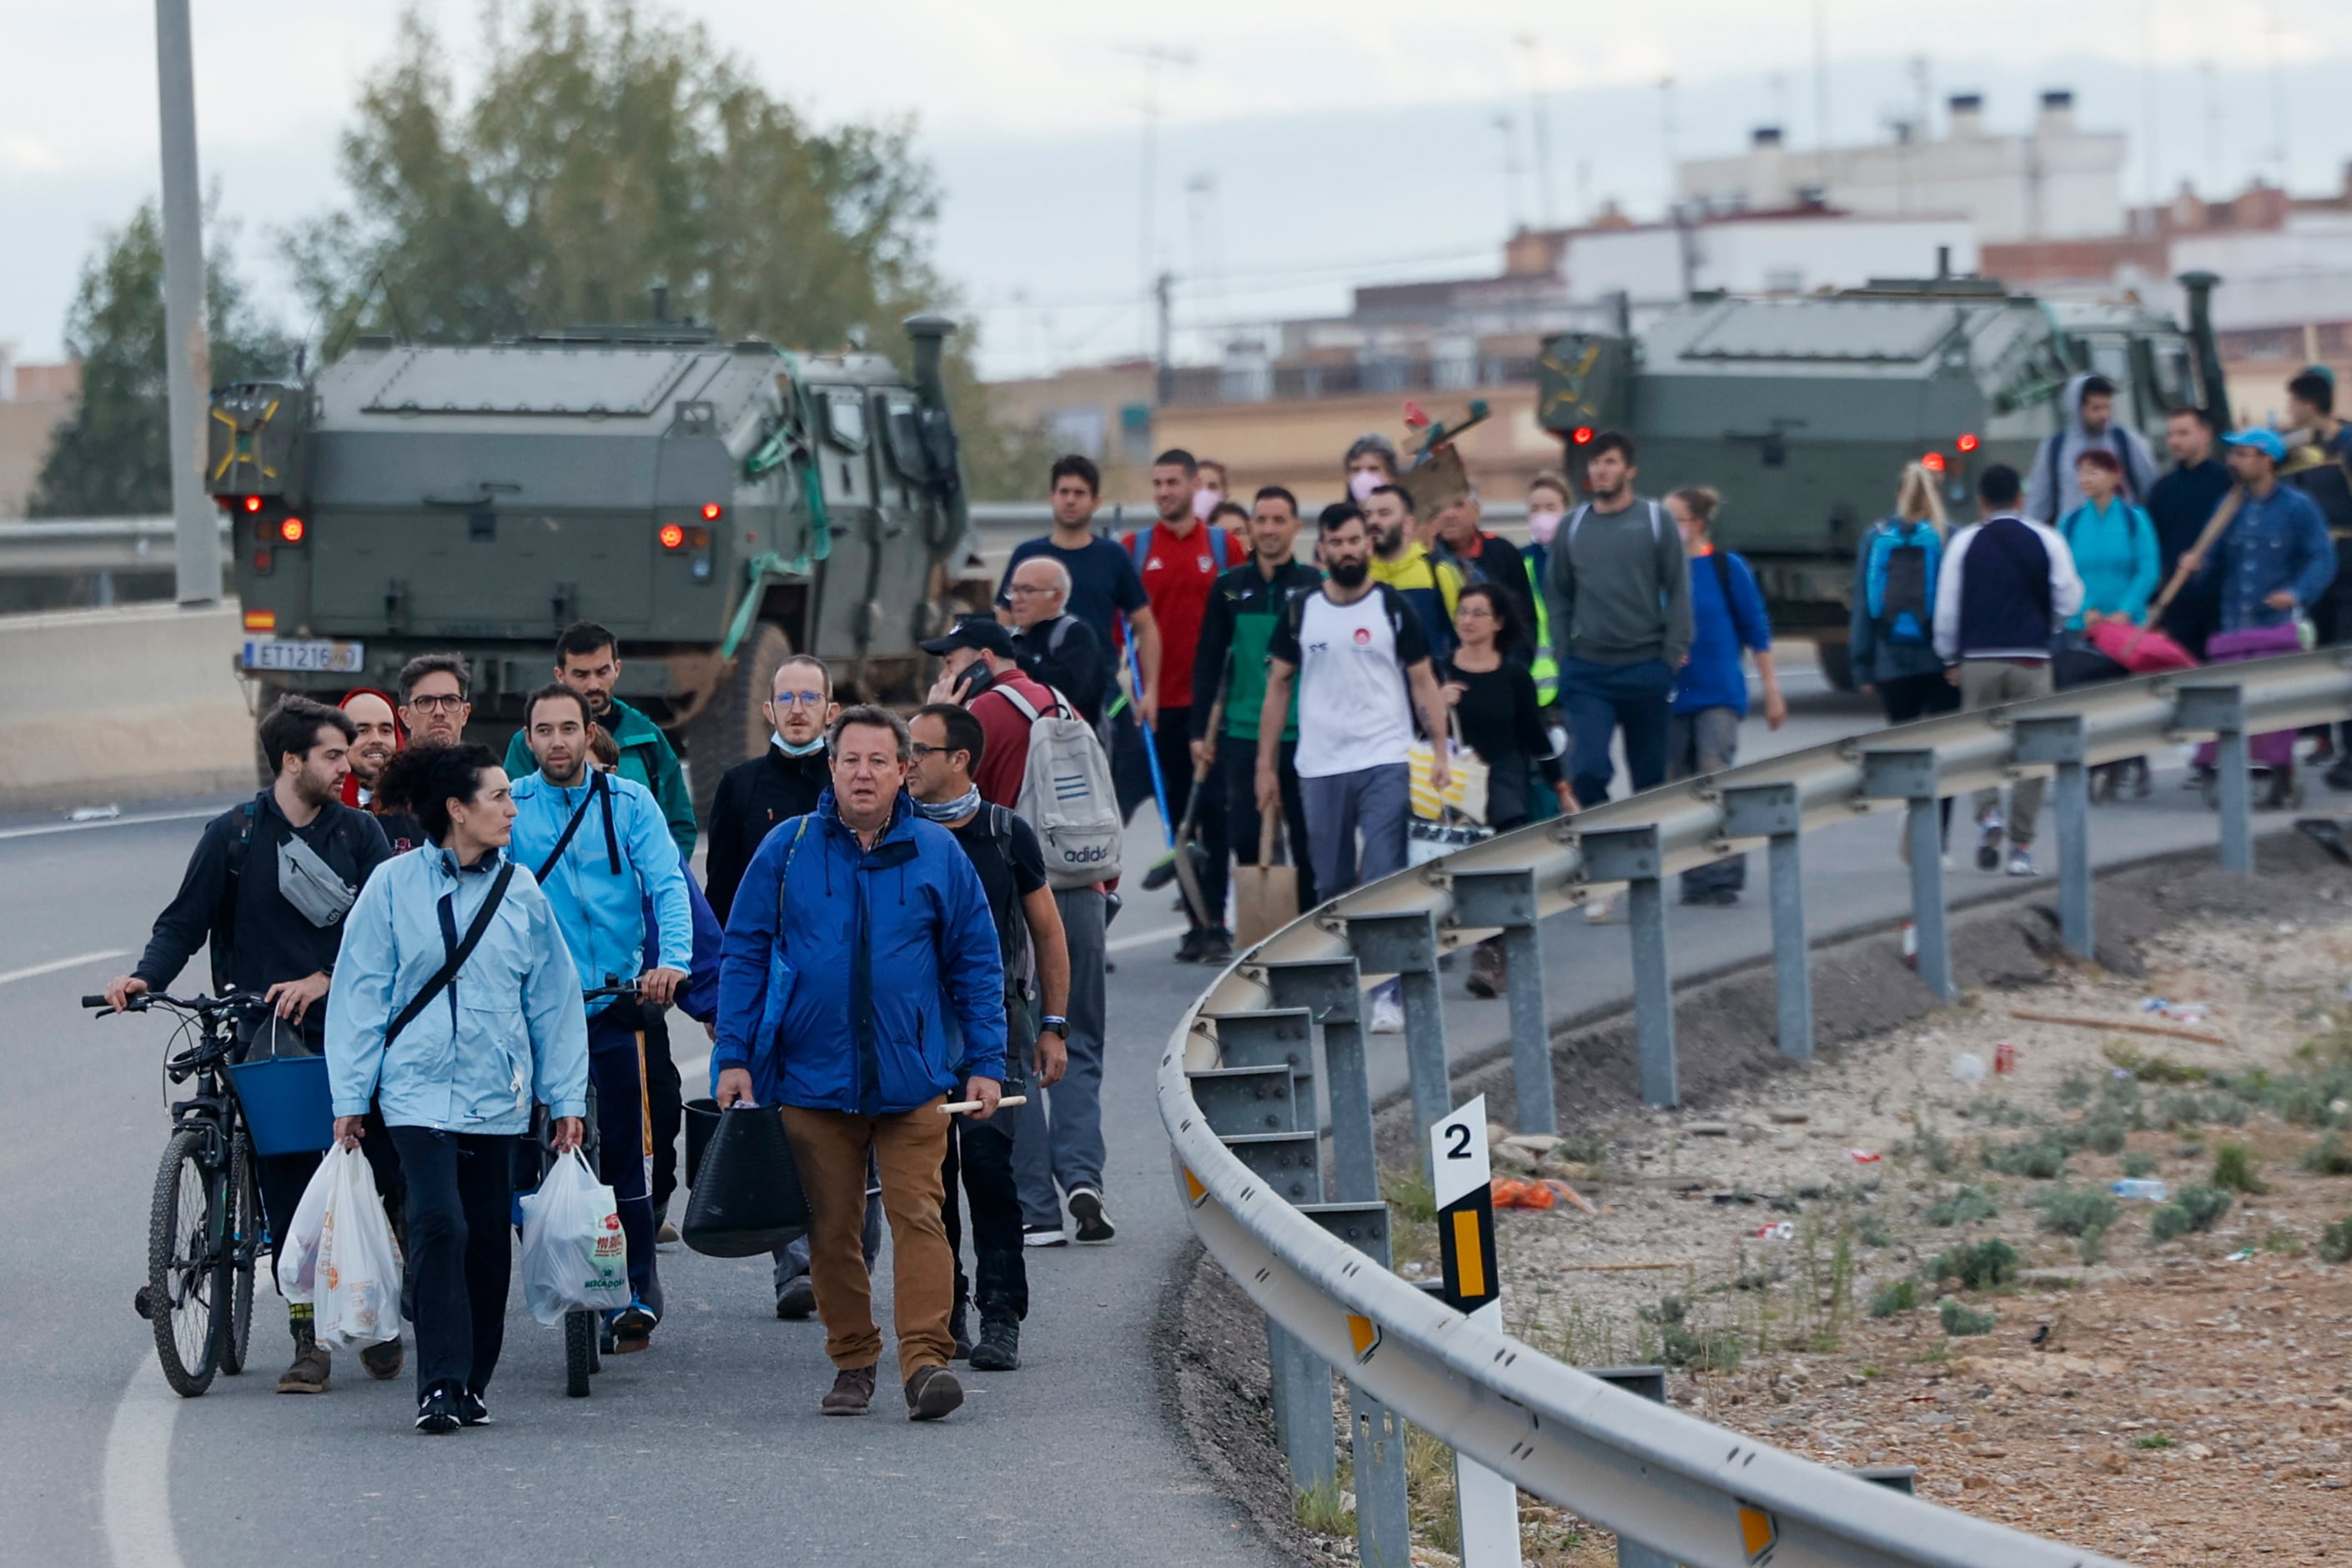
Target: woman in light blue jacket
(455, 1059)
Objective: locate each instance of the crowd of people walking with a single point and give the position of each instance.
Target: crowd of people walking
(897, 913)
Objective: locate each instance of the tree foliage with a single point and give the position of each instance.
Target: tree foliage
(113, 458)
(609, 148)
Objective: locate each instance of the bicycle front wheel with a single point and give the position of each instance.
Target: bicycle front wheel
(579, 1352)
(239, 1247)
(183, 1225)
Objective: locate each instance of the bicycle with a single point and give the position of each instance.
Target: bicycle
(204, 1224)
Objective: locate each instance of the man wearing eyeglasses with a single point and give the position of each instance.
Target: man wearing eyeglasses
(779, 784)
(433, 699)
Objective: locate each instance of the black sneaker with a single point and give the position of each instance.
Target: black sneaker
(1216, 947)
(1043, 1236)
(1189, 951)
(1086, 1208)
(797, 1299)
(437, 1413)
(999, 1349)
(471, 1411)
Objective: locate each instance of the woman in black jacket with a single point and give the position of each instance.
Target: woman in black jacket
(1493, 700)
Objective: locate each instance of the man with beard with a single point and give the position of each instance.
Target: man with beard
(378, 735)
(1402, 561)
(588, 660)
(1354, 648)
(268, 887)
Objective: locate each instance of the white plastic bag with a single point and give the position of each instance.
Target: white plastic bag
(358, 1276)
(573, 1253)
(298, 1249)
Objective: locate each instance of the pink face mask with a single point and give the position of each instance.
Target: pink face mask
(1364, 482)
(1542, 525)
(1204, 502)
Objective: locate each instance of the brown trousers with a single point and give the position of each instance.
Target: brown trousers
(829, 1148)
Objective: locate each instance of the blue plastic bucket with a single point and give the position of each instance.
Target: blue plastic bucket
(288, 1109)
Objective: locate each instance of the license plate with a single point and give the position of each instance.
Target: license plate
(332, 658)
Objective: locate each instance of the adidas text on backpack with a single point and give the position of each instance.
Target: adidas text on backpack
(1066, 794)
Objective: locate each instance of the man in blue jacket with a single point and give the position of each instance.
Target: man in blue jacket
(853, 927)
(597, 844)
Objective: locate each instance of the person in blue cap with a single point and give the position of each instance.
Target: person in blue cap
(2275, 559)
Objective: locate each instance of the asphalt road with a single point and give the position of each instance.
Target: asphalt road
(708, 1449)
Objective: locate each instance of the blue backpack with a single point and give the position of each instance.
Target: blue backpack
(1900, 581)
(1139, 546)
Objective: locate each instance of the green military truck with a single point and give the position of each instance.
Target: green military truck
(716, 504)
(1803, 411)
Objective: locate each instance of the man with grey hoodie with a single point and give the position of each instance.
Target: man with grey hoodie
(2090, 424)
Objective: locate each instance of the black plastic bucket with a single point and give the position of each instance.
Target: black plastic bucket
(748, 1199)
(702, 1121)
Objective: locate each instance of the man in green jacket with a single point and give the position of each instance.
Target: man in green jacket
(588, 660)
(1243, 604)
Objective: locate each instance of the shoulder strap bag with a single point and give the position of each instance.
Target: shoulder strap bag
(457, 960)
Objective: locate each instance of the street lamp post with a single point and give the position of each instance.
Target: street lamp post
(187, 350)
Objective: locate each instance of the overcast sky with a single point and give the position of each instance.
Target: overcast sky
(1306, 143)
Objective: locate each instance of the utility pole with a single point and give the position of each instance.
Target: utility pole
(1153, 56)
(1821, 101)
(187, 351)
(1540, 127)
(1666, 134)
(1161, 288)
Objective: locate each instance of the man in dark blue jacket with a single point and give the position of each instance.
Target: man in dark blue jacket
(853, 927)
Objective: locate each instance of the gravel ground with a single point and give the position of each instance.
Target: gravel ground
(2165, 1401)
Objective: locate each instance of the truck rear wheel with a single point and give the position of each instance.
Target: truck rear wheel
(731, 727)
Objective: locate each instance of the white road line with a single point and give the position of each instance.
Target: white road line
(1143, 938)
(57, 964)
(109, 822)
(135, 1497)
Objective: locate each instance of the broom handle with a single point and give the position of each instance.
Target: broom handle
(2222, 516)
(953, 1106)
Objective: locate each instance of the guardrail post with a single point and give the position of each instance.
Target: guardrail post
(1650, 1383)
(1376, 1433)
(1507, 900)
(1631, 856)
(1406, 947)
(1770, 812)
(1910, 775)
(1330, 989)
(2222, 709)
(2057, 739)
(1301, 1389)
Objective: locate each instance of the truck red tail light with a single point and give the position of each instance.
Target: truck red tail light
(253, 503)
(1581, 436)
(290, 530)
(1967, 443)
(1933, 462)
(710, 511)
(671, 536)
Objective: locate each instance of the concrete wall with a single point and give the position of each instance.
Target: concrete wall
(139, 703)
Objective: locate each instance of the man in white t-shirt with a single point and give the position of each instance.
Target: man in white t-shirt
(1357, 652)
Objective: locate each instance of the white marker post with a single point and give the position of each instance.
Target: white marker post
(1488, 1504)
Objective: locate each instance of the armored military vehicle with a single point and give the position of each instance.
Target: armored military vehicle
(717, 505)
(1803, 411)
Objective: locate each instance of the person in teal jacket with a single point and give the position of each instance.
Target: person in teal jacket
(856, 927)
(588, 660)
(457, 1084)
(597, 844)
(2117, 552)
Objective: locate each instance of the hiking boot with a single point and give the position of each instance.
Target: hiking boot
(1086, 1208)
(932, 1393)
(797, 1299)
(383, 1360)
(436, 1413)
(851, 1392)
(1489, 972)
(312, 1365)
(959, 1330)
(1188, 951)
(999, 1349)
(1216, 947)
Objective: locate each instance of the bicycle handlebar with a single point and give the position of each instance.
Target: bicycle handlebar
(202, 1006)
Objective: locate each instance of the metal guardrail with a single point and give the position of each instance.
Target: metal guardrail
(1236, 1097)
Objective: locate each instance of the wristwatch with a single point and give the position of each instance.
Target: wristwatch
(1058, 1025)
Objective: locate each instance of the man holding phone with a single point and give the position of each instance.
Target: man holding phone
(977, 670)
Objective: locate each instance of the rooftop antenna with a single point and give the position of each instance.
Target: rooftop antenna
(1821, 96)
(2150, 22)
(1540, 128)
(1515, 207)
(1666, 135)
(2278, 97)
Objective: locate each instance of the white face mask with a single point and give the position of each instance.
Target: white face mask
(1542, 525)
(1204, 502)
(1364, 482)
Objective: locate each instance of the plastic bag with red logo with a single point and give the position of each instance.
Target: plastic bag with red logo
(574, 1254)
